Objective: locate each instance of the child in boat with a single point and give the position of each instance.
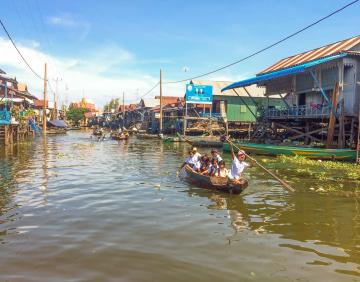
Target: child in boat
(213, 168)
(215, 155)
(238, 164)
(197, 155)
(189, 159)
(222, 171)
(205, 164)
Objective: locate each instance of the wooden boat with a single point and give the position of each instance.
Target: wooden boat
(117, 136)
(149, 136)
(174, 139)
(98, 132)
(313, 153)
(202, 141)
(222, 184)
(55, 131)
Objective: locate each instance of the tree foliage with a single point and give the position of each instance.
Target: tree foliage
(76, 114)
(112, 105)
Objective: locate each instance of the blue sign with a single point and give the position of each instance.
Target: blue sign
(199, 94)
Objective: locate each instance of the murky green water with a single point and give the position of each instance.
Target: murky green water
(72, 209)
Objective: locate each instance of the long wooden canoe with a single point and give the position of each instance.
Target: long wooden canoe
(313, 153)
(148, 136)
(214, 183)
(199, 141)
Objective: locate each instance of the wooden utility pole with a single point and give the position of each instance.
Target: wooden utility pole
(45, 98)
(123, 109)
(161, 104)
(55, 115)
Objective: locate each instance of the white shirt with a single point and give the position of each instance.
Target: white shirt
(188, 160)
(222, 172)
(197, 165)
(196, 157)
(238, 167)
(218, 158)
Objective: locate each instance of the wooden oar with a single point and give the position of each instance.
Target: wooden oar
(186, 140)
(282, 182)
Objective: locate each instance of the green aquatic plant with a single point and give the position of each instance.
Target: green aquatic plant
(328, 175)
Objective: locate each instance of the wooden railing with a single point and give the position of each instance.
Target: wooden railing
(313, 111)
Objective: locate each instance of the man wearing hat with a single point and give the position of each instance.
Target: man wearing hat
(238, 163)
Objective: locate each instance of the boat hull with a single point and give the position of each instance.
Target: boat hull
(147, 136)
(116, 137)
(313, 153)
(213, 183)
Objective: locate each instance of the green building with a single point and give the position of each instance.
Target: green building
(239, 106)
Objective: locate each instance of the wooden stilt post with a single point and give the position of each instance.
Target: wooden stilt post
(332, 117)
(358, 138)
(341, 135)
(45, 98)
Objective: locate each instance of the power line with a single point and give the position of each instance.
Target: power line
(268, 47)
(148, 92)
(13, 43)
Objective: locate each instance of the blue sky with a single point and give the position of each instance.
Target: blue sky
(101, 48)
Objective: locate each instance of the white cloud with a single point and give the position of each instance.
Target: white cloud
(67, 20)
(99, 75)
(81, 76)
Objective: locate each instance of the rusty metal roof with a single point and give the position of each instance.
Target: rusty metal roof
(327, 50)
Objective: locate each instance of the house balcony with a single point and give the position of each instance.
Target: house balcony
(314, 111)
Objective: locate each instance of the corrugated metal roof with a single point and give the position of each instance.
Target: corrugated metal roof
(328, 50)
(219, 85)
(150, 102)
(282, 72)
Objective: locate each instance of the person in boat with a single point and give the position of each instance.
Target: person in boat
(189, 160)
(213, 167)
(238, 164)
(215, 155)
(197, 155)
(222, 171)
(205, 164)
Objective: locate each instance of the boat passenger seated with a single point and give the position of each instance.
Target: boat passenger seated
(215, 155)
(222, 171)
(205, 164)
(189, 159)
(213, 168)
(197, 155)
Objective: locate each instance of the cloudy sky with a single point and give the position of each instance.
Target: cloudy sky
(98, 49)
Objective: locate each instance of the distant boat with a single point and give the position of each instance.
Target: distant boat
(57, 126)
(312, 153)
(200, 141)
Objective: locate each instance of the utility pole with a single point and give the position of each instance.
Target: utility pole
(161, 104)
(123, 109)
(45, 98)
(55, 116)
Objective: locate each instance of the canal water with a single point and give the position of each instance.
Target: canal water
(73, 209)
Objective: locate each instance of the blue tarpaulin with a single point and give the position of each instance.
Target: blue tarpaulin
(281, 73)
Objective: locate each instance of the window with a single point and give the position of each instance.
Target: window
(242, 109)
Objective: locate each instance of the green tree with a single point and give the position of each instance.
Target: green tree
(112, 105)
(76, 114)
